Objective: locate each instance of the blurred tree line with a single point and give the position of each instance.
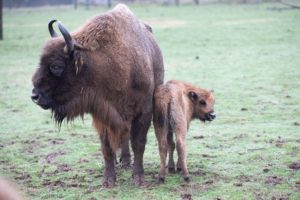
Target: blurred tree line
(87, 3)
(23, 3)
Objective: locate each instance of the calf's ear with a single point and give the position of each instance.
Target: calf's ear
(193, 96)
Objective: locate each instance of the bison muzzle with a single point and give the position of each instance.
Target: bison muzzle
(108, 68)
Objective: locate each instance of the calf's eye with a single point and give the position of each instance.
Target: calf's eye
(202, 103)
(56, 70)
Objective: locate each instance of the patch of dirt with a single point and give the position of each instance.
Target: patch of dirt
(266, 170)
(64, 168)
(56, 141)
(23, 176)
(296, 124)
(256, 149)
(83, 160)
(244, 179)
(238, 184)
(186, 196)
(90, 171)
(198, 173)
(51, 156)
(198, 187)
(280, 197)
(58, 183)
(278, 142)
(240, 136)
(208, 156)
(294, 166)
(273, 180)
(258, 196)
(198, 137)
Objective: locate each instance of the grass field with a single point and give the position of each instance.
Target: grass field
(250, 56)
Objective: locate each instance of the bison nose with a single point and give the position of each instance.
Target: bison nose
(35, 96)
(212, 115)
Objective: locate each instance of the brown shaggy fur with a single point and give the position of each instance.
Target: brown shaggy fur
(112, 73)
(175, 105)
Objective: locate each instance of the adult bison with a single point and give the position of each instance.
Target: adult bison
(109, 68)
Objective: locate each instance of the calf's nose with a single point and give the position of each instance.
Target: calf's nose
(212, 115)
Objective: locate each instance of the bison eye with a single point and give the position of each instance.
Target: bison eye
(56, 70)
(202, 103)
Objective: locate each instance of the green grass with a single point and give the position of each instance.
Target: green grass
(249, 54)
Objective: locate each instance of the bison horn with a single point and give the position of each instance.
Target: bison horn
(67, 36)
(51, 30)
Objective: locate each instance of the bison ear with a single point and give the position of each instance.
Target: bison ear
(193, 96)
(78, 62)
(76, 57)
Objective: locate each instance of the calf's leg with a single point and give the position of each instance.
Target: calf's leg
(180, 146)
(161, 135)
(171, 148)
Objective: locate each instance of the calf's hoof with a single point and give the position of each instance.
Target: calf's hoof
(160, 179)
(108, 182)
(187, 179)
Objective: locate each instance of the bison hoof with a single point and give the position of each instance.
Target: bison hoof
(187, 178)
(108, 182)
(126, 165)
(178, 169)
(139, 180)
(171, 170)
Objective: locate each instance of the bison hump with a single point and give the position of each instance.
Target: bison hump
(114, 28)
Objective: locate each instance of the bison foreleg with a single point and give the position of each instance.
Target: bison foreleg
(109, 177)
(139, 129)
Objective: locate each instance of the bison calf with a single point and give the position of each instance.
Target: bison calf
(175, 105)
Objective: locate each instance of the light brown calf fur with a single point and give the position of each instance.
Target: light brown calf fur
(176, 104)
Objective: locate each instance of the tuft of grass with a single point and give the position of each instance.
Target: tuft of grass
(249, 54)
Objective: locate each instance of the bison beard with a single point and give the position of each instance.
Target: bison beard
(108, 68)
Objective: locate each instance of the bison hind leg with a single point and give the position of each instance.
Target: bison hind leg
(139, 129)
